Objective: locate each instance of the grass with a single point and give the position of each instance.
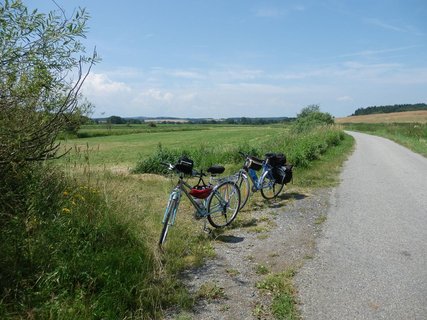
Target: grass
(126, 150)
(280, 286)
(410, 135)
(210, 291)
(113, 224)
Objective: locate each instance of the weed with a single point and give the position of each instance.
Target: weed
(321, 219)
(210, 291)
(233, 272)
(281, 287)
(261, 269)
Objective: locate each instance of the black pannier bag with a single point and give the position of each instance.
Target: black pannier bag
(276, 159)
(185, 165)
(283, 174)
(253, 163)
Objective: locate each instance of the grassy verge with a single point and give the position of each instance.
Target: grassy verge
(410, 135)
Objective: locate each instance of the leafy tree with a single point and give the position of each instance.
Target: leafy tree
(116, 120)
(311, 117)
(42, 69)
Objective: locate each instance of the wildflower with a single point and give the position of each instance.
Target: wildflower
(65, 193)
(66, 210)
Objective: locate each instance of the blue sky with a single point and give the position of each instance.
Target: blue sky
(227, 58)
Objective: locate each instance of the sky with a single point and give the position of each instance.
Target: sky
(246, 58)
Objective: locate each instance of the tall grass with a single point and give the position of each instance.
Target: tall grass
(65, 253)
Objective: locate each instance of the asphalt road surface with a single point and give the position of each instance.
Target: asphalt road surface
(371, 261)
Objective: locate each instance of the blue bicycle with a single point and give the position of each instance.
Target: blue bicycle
(270, 181)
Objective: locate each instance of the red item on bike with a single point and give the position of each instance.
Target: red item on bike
(201, 192)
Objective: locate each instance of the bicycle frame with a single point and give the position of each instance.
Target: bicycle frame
(176, 194)
(257, 182)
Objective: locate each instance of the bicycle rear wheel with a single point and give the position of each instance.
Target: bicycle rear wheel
(168, 220)
(223, 205)
(269, 188)
(245, 189)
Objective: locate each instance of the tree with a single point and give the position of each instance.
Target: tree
(116, 120)
(311, 117)
(42, 69)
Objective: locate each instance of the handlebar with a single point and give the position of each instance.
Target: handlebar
(172, 167)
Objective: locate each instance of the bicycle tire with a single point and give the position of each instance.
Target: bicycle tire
(223, 205)
(269, 188)
(170, 211)
(245, 189)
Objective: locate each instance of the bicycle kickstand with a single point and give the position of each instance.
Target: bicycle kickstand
(205, 228)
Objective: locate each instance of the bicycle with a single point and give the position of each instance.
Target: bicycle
(218, 203)
(271, 180)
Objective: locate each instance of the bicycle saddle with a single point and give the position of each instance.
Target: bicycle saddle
(216, 169)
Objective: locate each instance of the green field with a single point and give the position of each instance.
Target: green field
(124, 150)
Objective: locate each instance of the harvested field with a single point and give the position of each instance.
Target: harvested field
(397, 117)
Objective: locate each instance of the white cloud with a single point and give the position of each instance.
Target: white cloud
(236, 91)
(98, 83)
(154, 95)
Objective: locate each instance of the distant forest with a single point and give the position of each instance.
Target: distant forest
(389, 109)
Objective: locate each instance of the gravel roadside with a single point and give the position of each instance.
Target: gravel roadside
(263, 241)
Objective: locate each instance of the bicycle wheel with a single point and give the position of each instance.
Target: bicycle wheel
(223, 204)
(244, 187)
(167, 221)
(269, 188)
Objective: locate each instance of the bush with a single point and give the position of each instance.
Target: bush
(311, 117)
(203, 157)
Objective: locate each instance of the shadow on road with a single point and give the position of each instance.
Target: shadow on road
(229, 239)
(281, 198)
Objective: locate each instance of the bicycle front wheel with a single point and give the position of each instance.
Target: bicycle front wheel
(168, 220)
(223, 204)
(269, 188)
(245, 189)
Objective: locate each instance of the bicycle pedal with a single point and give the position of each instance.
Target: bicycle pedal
(197, 216)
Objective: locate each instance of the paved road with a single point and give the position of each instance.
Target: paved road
(371, 261)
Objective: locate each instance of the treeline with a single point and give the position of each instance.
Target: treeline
(390, 109)
(241, 120)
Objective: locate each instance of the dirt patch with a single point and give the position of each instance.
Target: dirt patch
(261, 242)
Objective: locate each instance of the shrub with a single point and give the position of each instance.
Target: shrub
(311, 117)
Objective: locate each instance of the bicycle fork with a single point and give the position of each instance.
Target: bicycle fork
(173, 203)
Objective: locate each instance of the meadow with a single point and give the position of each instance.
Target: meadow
(123, 146)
